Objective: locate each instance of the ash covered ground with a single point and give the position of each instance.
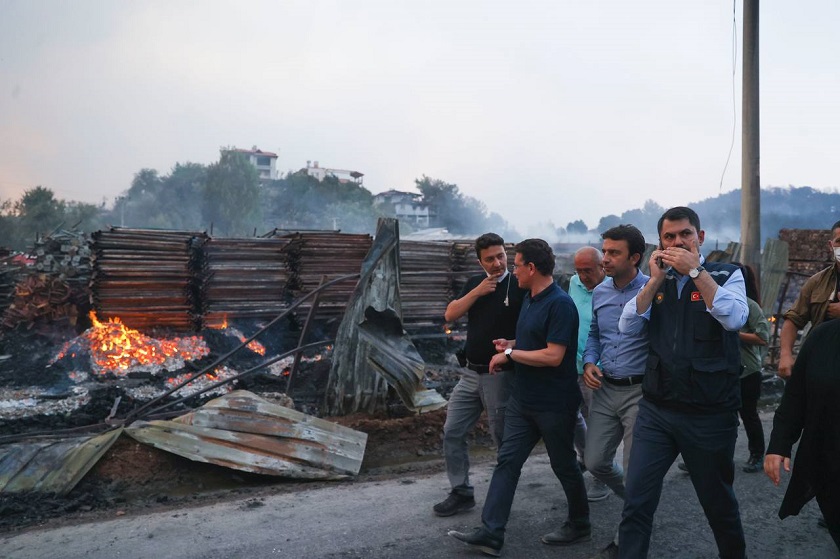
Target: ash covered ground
(39, 393)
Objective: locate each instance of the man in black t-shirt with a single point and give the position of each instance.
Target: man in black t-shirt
(491, 302)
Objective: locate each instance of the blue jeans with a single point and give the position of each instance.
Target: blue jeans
(707, 444)
(523, 429)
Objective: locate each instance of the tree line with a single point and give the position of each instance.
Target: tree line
(226, 198)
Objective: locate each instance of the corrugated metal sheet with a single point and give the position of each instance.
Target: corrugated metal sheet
(774, 265)
(363, 366)
(51, 466)
(243, 431)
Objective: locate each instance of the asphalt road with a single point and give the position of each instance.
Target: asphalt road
(393, 519)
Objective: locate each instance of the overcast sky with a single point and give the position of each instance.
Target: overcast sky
(545, 110)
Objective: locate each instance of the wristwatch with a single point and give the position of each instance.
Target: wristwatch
(508, 351)
(694, 272)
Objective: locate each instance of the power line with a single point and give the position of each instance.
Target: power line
(734, 114)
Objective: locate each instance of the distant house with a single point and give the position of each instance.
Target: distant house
(343, 175)
(264, 161)
(406, 206)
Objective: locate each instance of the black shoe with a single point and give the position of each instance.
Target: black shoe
(481, 540)
(454, 504)
(567, 535)
(754, 464)
(609, 552)
(682, 467)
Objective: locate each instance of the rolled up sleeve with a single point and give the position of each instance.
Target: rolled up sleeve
(730, 303)
(631, 322)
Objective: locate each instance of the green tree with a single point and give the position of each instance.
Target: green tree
(83, 217)
(445, 200)
(182, 194)
(607, 222)
(38, 213)
(577, 226)
(231, 197)
(645, 218)
(299, 201)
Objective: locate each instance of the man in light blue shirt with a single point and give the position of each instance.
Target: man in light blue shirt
(691, 388)
(614, 363)
(589, 272)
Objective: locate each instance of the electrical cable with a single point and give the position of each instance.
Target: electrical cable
(734, 114)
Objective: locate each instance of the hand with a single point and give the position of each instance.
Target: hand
(682, 259)
(656, 272)
(497, 362)
(773, 467)
(487, 286)
(502, 344)
(592, 375)
(834, 309)
(785, 366)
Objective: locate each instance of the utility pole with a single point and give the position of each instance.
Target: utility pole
(750, 169)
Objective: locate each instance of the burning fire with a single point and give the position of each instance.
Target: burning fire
(117, 349)
(253, 345)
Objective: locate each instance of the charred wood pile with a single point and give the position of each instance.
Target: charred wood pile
(65, 254)
(40, 298)
(808, 249)
(315, 255)
(185, 280)
(425, 282)
(145, 278)
(10, 274)
(465, 264)
(243, 278)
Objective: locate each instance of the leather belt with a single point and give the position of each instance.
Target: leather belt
(624, 381)
(480, 369)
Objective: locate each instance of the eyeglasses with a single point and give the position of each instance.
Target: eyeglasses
(515, 265)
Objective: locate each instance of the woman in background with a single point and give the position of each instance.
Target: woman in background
(754, 335)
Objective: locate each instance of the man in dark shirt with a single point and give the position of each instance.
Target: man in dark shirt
(491, 302)
(691, 387)
(543, 403)
(809, 409)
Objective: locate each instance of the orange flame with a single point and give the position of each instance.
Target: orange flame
(116, 348)
(253, 345)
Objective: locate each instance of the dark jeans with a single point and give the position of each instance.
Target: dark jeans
(523, 429)
(707, 443)
(750, 392)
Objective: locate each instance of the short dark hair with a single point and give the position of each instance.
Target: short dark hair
(677, 213)
(635, 239)
(539, 253)
(835, 226)
(487, 240)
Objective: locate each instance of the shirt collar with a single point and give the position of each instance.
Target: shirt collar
(544, 293)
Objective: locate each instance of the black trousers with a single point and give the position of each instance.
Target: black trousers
(707, 443)
(750, 393)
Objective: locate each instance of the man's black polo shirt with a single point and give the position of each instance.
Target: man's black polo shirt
(551, 316)
(489, 318)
